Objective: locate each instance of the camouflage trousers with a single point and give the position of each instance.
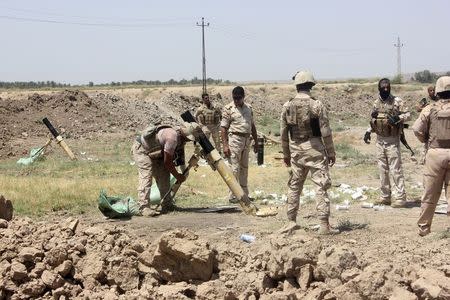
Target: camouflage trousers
(240, 149)
(147, 169)
(436, 175)
(302, 162)
(214, 132)
(390, 167)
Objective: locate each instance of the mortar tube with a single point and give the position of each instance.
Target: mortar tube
(217, 162)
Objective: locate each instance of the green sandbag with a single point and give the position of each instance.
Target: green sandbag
(155, 196)
(117, 207)
(35, 154)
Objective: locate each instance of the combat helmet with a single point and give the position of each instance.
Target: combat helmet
(443, 84)
(302, 77)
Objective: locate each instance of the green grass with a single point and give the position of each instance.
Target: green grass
(347, 152)
(268, 124)
(348, 225)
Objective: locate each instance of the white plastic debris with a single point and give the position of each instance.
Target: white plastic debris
(132, 163)
(283, 198)
(357, 195)
(367, 205)
(342, 207)
(378, 207)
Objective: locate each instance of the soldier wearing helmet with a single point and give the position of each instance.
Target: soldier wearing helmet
(387, 119)
(433, 127)
(209, 117)
(307, 147)
(157, 151)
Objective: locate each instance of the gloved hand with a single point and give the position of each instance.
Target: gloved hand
(374, 114)
(367, 137)
(393, 120)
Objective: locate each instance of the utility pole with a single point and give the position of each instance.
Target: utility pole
(203, 55)
(399, 58)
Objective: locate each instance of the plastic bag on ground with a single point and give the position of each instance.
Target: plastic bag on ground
(115, 207)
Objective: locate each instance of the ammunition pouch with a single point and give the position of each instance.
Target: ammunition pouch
(382, 127)
(298, 118)
(209, 117)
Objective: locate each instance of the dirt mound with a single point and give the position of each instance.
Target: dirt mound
(63, 258)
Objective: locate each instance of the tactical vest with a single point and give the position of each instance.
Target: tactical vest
(440, 127)
(381, 125)
(209, 116)
(149, 140)
(298, 118)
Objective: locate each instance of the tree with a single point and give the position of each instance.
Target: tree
(425, 76)
(91, 84)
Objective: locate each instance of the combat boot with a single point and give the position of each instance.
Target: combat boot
(383, 201)
(289, 228)
(424, 230)
(398, 204)
(326, 229)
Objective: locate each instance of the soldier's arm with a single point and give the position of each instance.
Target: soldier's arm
(284, 133)
(420, 126)
(404, 115)
(224, 125)
(325, 130)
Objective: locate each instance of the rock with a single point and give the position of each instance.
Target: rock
(71, 224)
(182, 256)
(180, 290)
(305, 276)
(18, 271)
(93, 266)
(333, 261)
(56, 256)
(52, 280)
(279, 296)
(431, 284)
(37, 270)
(348, 275)
(124, 274)
(290, 285)
(401, 294)
(213, 289)
(28, 254)
(5, 267)
(65, 268)
(34, 288)
(6, 209)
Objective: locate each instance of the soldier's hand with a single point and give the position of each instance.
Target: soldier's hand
(255, 148)
(374, 114)
(287, 161)
(226, 151)
(393, 120)
(180, 178)
(367, 137)
(331, 160)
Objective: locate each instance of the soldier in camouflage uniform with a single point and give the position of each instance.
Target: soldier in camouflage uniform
(388, 116)
(209, 117)
(307, 144)
(156, 151)
(237, 130)
(433, 127)
(422, 105)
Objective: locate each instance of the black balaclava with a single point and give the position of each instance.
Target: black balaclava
(385, 91)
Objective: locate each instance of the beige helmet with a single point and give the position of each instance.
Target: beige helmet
(443, 84)
(303, 77)
(191, 130)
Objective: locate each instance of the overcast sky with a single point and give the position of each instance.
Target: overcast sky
(111, 40)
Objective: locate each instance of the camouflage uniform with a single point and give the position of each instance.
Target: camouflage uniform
(148, 154)
(209, 118)
(388, 149)
(307, 151)
(238, 121)
(433, 127)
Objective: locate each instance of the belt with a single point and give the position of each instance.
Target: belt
(240, 134)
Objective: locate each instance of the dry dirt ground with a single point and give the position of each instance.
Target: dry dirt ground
(197, 255)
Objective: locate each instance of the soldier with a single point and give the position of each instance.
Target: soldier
(388, 116)
(424, 102)
(157, 152)
(209, 116)
(238, 129)
(432, 127)
(307, 147)
(420, 106)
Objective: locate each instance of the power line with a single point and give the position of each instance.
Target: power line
(118, 25)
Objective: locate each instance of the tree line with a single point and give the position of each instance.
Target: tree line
(426, 76)
(53, 84)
